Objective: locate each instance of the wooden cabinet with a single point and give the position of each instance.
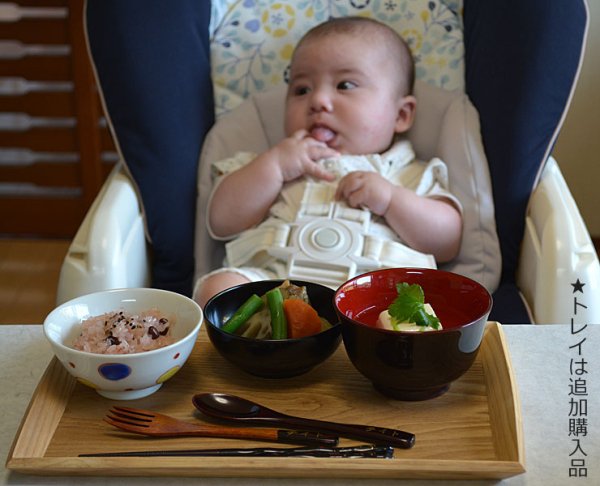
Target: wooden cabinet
(55, 147)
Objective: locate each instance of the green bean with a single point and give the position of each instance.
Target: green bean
(247, 310)
(278, 322)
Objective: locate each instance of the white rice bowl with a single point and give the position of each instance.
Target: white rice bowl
(132, 375)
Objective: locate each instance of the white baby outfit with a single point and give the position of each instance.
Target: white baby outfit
(310, 236)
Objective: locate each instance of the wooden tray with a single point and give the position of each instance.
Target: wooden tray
(472, 431)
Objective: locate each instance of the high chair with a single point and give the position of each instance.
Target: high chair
(495, 80)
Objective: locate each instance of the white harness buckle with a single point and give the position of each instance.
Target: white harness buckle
(328, 243)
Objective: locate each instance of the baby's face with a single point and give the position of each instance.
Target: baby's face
(342, 91)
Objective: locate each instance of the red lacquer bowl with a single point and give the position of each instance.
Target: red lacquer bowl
(413, 365)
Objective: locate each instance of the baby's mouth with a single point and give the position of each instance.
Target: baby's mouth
(322, 133)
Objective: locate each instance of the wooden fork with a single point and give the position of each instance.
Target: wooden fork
(155, 424)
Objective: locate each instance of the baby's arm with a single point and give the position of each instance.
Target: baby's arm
(426, 224)
(243, 197)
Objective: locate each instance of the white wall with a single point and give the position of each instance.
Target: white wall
(578, 147)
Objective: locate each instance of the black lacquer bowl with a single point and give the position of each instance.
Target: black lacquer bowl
(272, 358)
(413, 365)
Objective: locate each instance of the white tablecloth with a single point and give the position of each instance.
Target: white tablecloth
(541, 360)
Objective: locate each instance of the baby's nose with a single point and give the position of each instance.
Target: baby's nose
(321, 101)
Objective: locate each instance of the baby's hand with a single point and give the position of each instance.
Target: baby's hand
(367, 190)
(298, 154)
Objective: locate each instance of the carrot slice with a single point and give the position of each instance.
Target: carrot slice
(302, 319)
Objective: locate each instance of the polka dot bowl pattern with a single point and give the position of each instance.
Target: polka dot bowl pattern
(124, 376)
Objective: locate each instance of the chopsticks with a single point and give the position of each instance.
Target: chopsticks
(363, 451)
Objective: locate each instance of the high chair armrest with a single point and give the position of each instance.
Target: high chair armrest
(557, 254)
(109, 249)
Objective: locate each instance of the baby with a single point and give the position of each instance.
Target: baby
(343, 194)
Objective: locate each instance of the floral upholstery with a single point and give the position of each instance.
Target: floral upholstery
(252, 40)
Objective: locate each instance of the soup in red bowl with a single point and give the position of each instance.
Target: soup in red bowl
(412, 365)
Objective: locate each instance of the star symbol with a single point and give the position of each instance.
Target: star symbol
(578, 286)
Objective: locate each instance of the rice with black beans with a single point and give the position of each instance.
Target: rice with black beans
(121, 332)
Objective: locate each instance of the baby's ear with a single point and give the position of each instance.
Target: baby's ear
(406, 113)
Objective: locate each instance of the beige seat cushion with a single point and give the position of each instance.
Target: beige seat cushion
(446, 126)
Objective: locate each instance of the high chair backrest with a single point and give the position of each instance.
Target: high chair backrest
(522, 62)
(250, 51)
(152, 60)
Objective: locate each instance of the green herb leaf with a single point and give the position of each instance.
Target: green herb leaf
(409, 306)
(422, 318)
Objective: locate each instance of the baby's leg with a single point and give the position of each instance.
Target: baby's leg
(213, 284)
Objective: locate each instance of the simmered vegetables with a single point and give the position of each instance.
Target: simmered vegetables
(278, 321)
(283, 312)
(253, 304)
(302, 318)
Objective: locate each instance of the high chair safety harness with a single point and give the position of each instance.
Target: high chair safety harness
(318, 238)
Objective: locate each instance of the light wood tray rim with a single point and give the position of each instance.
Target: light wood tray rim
(27, 454)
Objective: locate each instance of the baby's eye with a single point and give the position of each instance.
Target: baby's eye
(343, 85)
(301, 90)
